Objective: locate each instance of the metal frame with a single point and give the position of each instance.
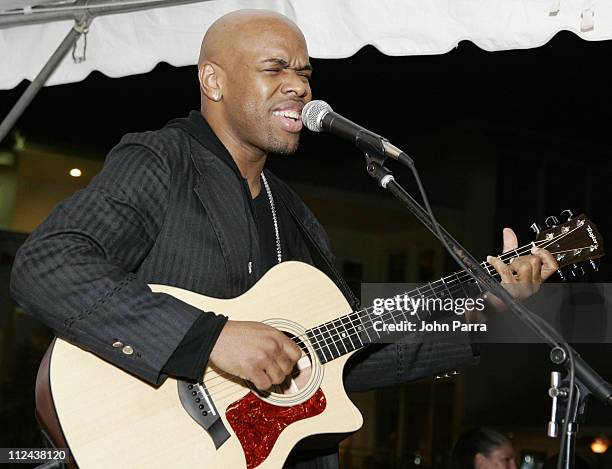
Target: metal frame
(93, 8)
(83, 14)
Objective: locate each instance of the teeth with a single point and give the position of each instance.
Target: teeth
(288, 113)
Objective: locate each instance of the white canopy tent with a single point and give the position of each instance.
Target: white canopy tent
(131, 43)
(126, 37)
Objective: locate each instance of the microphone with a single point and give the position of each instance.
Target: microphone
(318, 116)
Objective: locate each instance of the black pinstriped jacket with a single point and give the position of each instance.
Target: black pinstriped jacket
(166, 209)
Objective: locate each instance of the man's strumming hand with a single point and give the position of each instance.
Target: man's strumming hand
(256, 352)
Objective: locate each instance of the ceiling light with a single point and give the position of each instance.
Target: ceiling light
(75, 172)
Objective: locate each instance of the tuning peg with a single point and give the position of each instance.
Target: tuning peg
(561, 275)
(577, 271)
(594, 265)
(536, 228)
(569, 214)
(551, 221)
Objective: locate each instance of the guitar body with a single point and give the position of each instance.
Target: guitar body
(111, 418)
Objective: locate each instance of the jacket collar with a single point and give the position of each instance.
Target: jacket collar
(197, 127)
(224, 194)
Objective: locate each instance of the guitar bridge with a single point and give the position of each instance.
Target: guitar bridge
(199, 405)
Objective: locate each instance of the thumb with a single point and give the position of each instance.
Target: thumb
(510, 240)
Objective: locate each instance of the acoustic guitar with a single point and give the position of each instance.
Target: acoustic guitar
(110, 418)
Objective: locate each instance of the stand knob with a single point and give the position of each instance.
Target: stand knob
(554, 392)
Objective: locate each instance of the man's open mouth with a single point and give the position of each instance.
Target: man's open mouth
(290, 119)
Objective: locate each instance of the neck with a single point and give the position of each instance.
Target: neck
(250, 160)
(353, 331)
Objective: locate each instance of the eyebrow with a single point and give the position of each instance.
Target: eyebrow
(283, 63)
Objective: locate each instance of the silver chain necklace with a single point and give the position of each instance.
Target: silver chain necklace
(279, 254)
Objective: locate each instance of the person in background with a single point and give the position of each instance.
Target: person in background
(482, 448)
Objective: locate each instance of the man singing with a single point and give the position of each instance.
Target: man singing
(192, 206)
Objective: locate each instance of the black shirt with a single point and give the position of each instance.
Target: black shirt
(191, 356)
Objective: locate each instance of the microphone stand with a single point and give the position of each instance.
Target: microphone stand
(587, 380)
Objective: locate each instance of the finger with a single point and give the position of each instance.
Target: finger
(549, 264)
(510, 240)
(502, 269)
(261, 380)
(291, 349)
(522, 268)
(276, 375)
(536, 269)
(285, 365)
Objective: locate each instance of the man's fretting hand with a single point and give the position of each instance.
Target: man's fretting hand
(523, 276)
(256, 352)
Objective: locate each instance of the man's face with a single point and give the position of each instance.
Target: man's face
(267, 88)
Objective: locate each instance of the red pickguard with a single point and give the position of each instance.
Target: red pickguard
(258, 424)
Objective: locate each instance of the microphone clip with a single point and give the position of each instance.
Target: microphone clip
(375, 168)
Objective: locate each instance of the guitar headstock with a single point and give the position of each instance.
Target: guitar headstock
(577, 240)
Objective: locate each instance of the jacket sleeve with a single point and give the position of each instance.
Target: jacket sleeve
(75, 272)
(389, 364)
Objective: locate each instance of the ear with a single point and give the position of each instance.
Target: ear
(480, 461)
(210, 82)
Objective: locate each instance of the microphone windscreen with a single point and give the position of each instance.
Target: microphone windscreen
(313, 113)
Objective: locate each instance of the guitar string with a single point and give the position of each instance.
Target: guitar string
(509, 255)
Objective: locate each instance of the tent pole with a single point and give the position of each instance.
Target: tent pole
(93, 7)
(80, 26)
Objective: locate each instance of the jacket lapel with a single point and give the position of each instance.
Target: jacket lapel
(222, 195)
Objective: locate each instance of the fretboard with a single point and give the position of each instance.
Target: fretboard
(355, 330)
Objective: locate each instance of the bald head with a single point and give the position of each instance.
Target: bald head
(224, 40)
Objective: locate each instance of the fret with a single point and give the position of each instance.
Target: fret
(362, 328)
(404, 312)
(329, 338)
(447, 289)
(430, 285)
(345, 334)
(317, 340)
(355, 328)
(369, 323)
(391, 314)
(435, 295)
(465, 293)
(340, 334)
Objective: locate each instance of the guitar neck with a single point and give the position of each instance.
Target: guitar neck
(576, 240)
(355, 330)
